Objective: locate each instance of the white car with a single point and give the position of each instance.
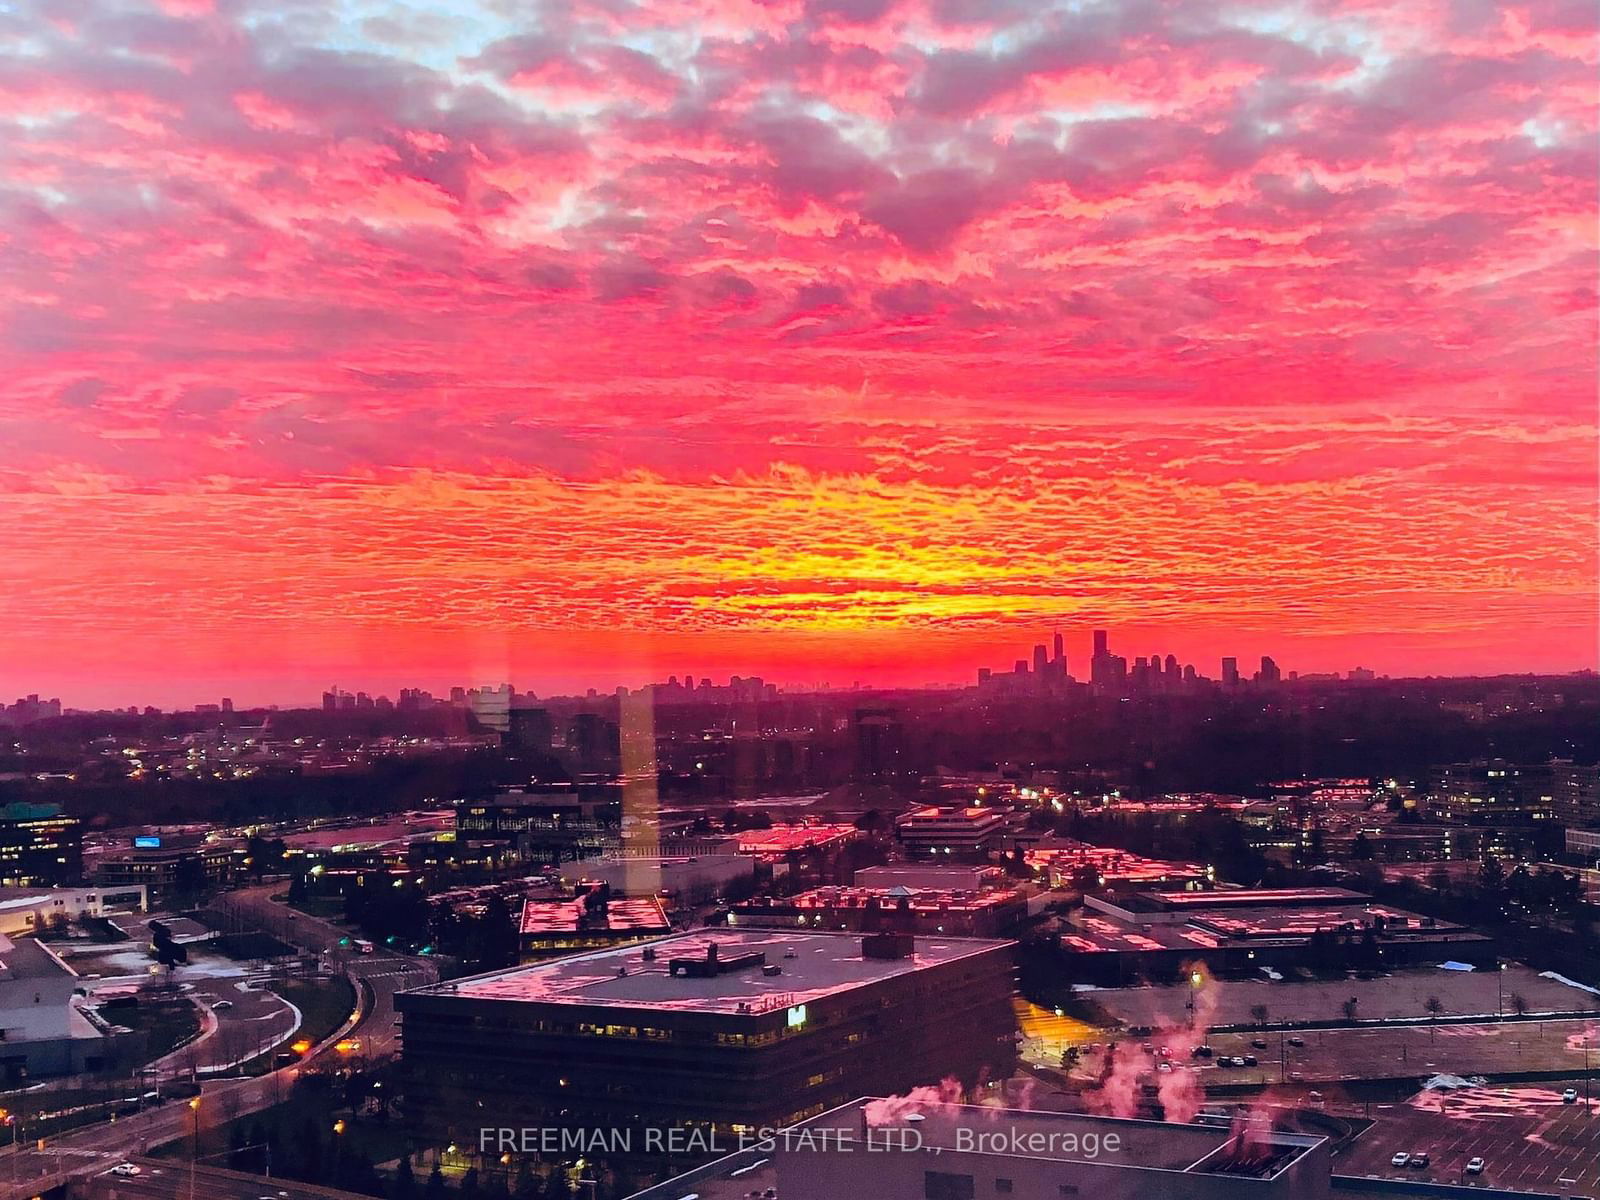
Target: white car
(1475, 1166)
(1570, 1096)
(125, 1169)
(1400, 1159)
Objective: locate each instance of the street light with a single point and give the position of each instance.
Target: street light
(194, 1156)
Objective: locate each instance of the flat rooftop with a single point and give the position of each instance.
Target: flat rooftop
(1110, 863)
(822, 964)
(569, 916)
(1302, 897)
(25, 958)
(917, 899)
(1094, 933)
(782, 839)
(1066, 1136)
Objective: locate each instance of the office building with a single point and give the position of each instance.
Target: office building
(39, 844)
(1230, 672)
(1496, 791)
(1575, 793)
(962, 833)
(166, 865)
(723, 1030)
(546, 822)
(531, 729)
(491, 707)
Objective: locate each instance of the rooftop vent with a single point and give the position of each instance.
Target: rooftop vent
(713, 964)
(888, 946)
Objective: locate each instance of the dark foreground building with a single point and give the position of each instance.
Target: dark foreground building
(716, 1031)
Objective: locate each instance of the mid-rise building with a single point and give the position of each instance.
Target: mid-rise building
(727, 1030)
(39, 845)
(957, 833)
(1575, 793)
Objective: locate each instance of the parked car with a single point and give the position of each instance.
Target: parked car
(1475, 1166)
(1400, 1159)
(125, 1169)
(1570, 1096)
(1258, 1043)
(1297, 1041)
(1249, 1060)
(222, 1005)
(1202, 1052)
(1419, 1159)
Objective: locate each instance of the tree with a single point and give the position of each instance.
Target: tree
(1435, 1006)
(435, 1186)
(1519, 1003)
(1361, 848)
(1350, 1006)
(1258, 1014)
(468, 1189)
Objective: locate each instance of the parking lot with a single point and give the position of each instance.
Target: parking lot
(1389, 1051)
(1420, 1049)
(1400, 994)
(1527, 1136)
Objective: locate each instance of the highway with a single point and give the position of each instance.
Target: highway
(28, 1169)
(164, 1180)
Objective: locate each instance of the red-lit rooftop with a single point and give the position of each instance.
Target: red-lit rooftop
(813, 965)
(642, 915)
(787, 839)
(1064, 856)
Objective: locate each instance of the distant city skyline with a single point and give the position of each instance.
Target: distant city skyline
(285, 692)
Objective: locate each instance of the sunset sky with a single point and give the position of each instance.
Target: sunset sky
(590, 342)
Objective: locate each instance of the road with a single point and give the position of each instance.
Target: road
(383, 974)
(27, 1169)
(165, 1180)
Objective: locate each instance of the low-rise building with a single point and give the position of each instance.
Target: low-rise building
(31, 910)
(1157, 935)
(924, 911)
(907, 1148)
(593, 920)
(43, 1029)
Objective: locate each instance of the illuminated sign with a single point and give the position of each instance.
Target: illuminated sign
(797, 1016)
(147, 843)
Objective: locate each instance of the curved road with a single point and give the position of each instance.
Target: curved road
(27, 1170)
